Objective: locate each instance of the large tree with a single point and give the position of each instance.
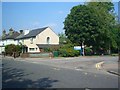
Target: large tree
(79, 24)
(106, 19)
(91, 24)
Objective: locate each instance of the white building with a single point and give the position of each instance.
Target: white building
(32, 41)
(7, 39)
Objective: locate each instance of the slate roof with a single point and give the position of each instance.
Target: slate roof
(8, 36)
(34, 32)
(20, 36)
(12, 36)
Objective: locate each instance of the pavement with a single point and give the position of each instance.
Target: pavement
(112, 67)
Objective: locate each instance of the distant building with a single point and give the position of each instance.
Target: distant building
(32, 40)
(7, 39)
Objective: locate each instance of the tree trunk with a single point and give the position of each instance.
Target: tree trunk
(109, 51)
(83, 49)
(118, 55)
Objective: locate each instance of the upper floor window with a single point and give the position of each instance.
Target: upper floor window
(48, 40)
(31, 40)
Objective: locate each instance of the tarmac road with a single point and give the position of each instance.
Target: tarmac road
(31, 74)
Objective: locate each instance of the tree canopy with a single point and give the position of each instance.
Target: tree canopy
(92, 24)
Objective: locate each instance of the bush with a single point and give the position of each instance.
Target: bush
(88, 51)
(9, 49)
(68, 51)
(47, 50)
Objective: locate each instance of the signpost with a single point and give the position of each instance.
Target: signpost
(79, 48)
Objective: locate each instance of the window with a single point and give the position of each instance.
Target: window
(31, 49)
(31, 40)
(48, 40)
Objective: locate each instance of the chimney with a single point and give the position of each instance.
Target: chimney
(21, 31)
(4, 33)
(11, 31)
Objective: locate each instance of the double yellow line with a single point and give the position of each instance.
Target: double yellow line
(99, 65)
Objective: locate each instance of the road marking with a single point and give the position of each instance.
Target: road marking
(56, 68)
(99, 65)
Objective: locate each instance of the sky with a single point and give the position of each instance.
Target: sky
(32, 15)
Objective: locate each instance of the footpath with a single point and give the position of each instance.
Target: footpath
(112, 67)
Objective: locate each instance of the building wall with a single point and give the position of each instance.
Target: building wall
(2, 49)
(30, 45)
(11, 41)
(41, 39)
(7, 42)
(3, 43)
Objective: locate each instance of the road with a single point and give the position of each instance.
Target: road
(39, 73)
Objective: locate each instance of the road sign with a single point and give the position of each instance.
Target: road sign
(77, 47)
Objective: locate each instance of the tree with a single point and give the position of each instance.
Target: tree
(91, 25)
(104, 11)
(62, 38)
(117, 38)
(81, 25)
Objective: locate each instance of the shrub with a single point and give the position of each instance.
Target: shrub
(88, 51)
(68, 51)
(9, 49)
(47, 50)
